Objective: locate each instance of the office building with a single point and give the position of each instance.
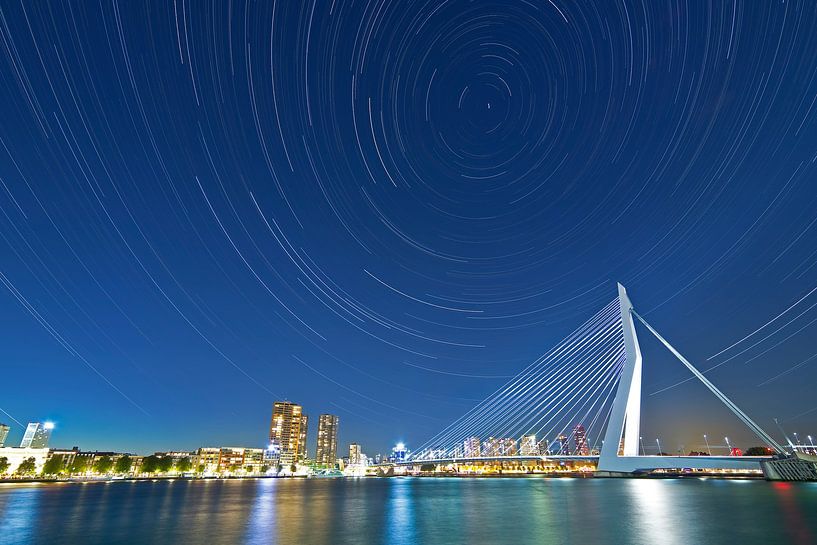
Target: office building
(564, 445)
(471, 447)
(288, 431)
(302, 451)
(37, 435)
(490, 447)
(507, 447)
(327, 448)
(4, 432)
(355, 455)
(528, 446)
(580, 440)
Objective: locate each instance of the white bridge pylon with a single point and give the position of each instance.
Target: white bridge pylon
(625, 414)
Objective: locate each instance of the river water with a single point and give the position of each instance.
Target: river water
(411, 510)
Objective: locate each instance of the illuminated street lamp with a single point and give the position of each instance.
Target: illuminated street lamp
(640, 440)
(708, 449)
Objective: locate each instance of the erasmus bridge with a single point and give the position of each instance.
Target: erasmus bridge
(586, 388)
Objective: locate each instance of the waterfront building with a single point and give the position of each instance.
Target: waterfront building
(580, 440)
(491, 447)
(302, 450)
(399, 452)
(207, 459)
(327, 447)
(507, 447)
(254, 460)
(37, 435)
(230, 460)
(528, 446)
(4, 432)
(16, 456)
(288, 430)
(355, 454)
(471, 447)
(564, 445)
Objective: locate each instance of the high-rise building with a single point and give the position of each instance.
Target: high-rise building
(302, 450)
(564, 445)
(288, 430)
(399, 452)
(37, 435)
(491, 447)
(580, 439)
(507, 447)
(4, 432)
(471, 447)
(528, 446)
(327, 450)
(355, 454)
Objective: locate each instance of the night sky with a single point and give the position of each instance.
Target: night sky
(385, 209)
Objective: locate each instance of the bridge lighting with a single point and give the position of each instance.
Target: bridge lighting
(640, 440)
(728, 445)
(659, 446)
(708, 450)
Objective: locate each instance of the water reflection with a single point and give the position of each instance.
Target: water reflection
(406, 511)
(797, 527)
(19, 507)
(261, 523)
(400, 524)
(654, 518)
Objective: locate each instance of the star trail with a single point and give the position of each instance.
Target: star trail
(384, 210)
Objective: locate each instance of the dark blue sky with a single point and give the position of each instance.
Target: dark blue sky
(381, 209)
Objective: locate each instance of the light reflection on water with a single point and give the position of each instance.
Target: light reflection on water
(408, 511)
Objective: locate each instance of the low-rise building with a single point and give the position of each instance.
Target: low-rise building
(16, 456)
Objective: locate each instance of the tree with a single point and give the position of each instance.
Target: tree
(103, 465)
(54, 466)
(758, 451)
(150, 464)
(79, 465)
(27, 466)
(165, 464)
(183, 465)
(123, 464)
(201, 468)
(4, 465)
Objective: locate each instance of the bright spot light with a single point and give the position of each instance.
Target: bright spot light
(48, 425)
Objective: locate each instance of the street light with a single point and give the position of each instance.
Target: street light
(659, 446)
(708, 449)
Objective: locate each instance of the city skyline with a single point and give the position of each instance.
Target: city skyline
(386, 223)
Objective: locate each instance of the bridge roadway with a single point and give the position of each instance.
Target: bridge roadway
(649, 462)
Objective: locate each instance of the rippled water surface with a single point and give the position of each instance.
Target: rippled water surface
(408, 511)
